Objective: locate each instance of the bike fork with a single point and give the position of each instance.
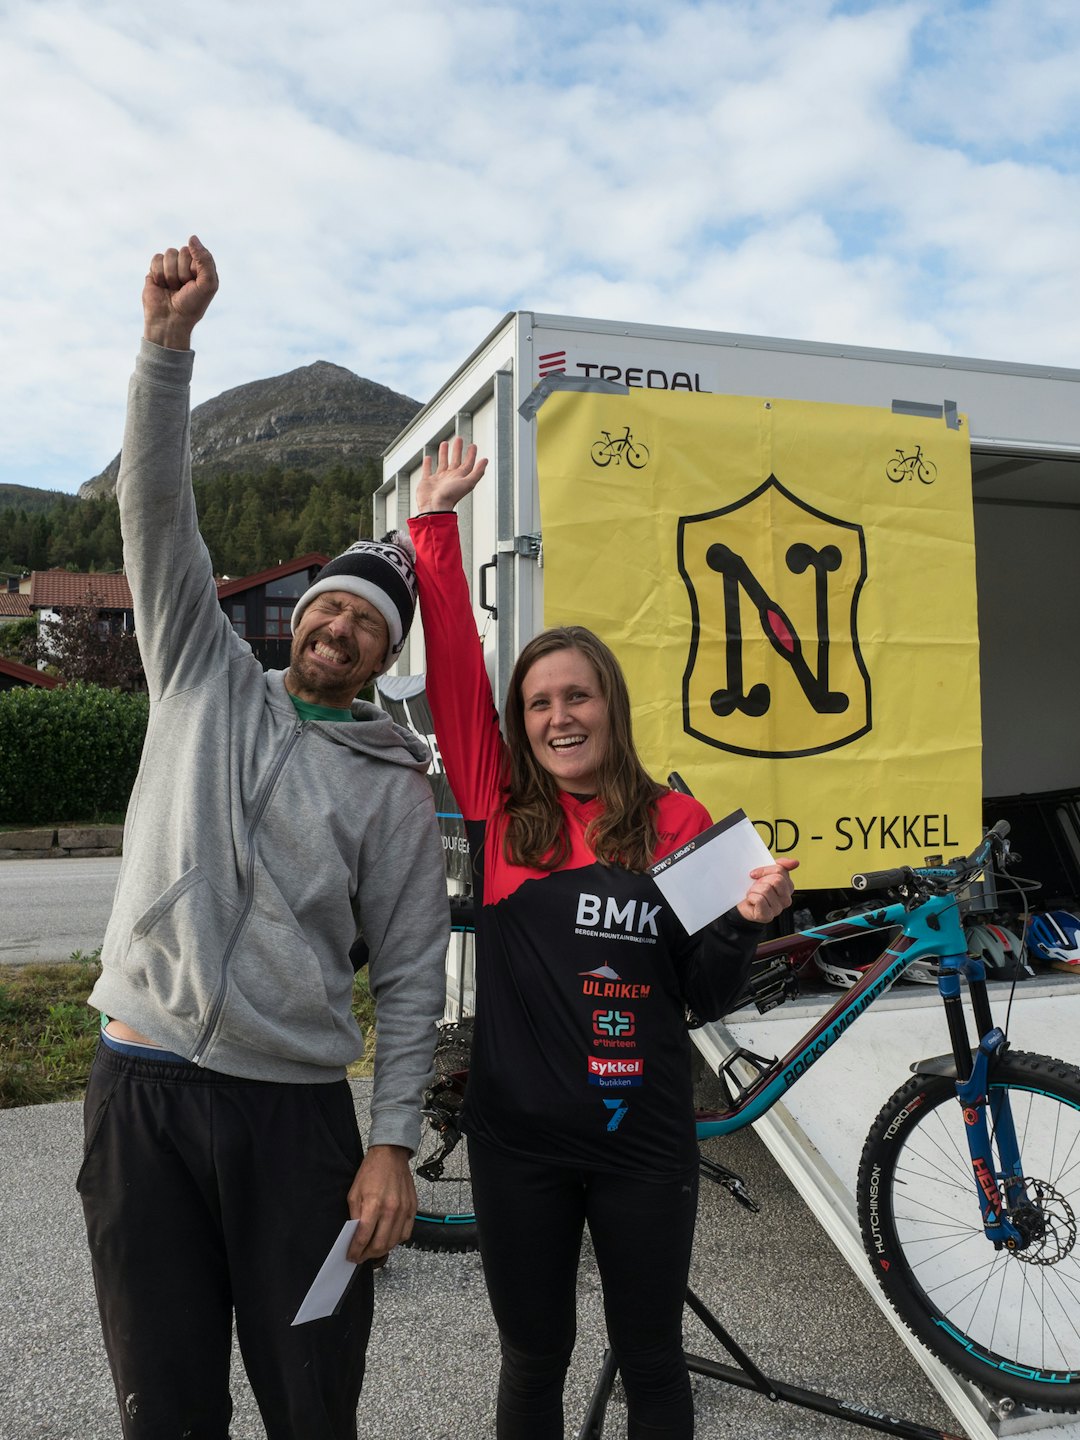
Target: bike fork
(973, 1093)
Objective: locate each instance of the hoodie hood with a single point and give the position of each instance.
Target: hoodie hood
(371, 732)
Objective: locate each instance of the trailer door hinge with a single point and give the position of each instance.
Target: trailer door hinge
(528, 545)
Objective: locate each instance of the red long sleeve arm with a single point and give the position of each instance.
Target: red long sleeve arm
(466, 720)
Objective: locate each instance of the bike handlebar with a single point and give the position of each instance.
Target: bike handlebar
(881, 879)
(959, 869)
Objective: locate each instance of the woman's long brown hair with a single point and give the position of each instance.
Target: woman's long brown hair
(624, 833)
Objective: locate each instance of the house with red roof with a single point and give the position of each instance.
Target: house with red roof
(259, 606)
(13, 606)
(53, 591)
(13, 674)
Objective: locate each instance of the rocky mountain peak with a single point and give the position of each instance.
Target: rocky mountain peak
(310, 418)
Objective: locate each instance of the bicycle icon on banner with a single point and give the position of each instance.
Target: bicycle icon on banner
(623, 447)
(911, 467)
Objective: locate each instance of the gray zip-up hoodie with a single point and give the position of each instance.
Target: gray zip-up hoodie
(257, 846)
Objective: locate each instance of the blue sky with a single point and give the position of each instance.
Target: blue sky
(380, 185)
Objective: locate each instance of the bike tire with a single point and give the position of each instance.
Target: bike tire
(600, 454)
(1009, 1320)
(637, 456)
(897, 470)
(926, 471)
(444, 1215)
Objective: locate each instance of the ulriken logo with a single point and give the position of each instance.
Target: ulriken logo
(606, 984)
(636, 917)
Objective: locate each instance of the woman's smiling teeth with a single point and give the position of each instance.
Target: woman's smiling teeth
(567, 742)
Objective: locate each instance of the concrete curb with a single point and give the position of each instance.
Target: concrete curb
(61, 843)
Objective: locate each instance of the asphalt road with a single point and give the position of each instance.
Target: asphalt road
(50, 908)
(773, 1278)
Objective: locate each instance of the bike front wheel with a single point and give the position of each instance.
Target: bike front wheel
(1009, 1320)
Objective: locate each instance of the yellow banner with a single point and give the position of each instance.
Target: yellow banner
(790, 588)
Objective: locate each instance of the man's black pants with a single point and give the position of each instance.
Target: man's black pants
(204, 1196)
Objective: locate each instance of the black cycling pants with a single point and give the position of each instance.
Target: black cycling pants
(207, 1196)
(531, 1216)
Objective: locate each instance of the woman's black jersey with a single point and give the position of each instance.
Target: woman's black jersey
(581, 1053)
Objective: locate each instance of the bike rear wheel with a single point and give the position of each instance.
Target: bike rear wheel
(444, 1215)
(1009, 1320)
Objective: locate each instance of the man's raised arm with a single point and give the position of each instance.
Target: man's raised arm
(183, 632)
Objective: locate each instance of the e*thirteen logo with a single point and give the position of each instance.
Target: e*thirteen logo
(617, 1024)
(770, 567)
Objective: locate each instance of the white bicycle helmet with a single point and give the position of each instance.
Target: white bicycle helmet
(998, 948)
(843, 963)
(1055, 938)
(923, 972)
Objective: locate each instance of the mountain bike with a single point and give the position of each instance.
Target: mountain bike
(969, 1181)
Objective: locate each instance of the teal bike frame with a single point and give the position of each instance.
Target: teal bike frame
(931, 928)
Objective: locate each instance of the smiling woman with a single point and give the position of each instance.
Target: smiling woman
(563, 822)
(566, 719)
(568, 728)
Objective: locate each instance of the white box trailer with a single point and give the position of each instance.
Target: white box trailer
(1025, 441)
(1024, 425)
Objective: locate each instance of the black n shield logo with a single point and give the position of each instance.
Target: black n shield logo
(774, 667)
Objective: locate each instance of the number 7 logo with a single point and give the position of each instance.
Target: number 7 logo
(619, 1109)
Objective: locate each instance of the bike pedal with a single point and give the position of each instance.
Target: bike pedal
(732, 1182)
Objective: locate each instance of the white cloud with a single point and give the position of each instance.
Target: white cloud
(381, 184)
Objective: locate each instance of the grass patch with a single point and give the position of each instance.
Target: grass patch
(48, 1033)
(363, 1007)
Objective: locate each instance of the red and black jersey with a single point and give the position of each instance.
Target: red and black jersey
(581, 1054)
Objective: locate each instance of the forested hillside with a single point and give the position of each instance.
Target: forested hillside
(281, 467)
(30, 499)
(249, 521)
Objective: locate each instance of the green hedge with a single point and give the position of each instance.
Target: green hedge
(68, 755)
